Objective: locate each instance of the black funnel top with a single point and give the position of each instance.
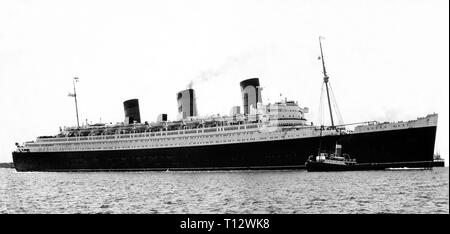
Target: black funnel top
(252, 81)
(131, 108)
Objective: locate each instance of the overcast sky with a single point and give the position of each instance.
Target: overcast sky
(387, 59)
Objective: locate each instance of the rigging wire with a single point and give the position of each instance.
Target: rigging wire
(320, 117)
(336, 107)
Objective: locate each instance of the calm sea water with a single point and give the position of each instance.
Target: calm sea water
(225, 192)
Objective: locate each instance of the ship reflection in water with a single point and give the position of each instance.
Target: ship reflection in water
(226, 192)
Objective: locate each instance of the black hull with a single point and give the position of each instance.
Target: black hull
(407, 145)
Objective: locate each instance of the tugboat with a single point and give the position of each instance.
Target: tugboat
(331, 162)
(438, 161)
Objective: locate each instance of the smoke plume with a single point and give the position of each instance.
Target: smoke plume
(230, 64)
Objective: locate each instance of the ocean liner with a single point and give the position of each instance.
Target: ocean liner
(264, 136)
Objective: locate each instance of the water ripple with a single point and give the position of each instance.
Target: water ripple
(293, 192)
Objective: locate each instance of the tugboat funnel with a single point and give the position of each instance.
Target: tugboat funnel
(338, 150)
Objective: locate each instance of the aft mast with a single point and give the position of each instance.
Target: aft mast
(74, 95)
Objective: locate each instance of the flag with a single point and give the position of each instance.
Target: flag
(76, 79)
(71, 95)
